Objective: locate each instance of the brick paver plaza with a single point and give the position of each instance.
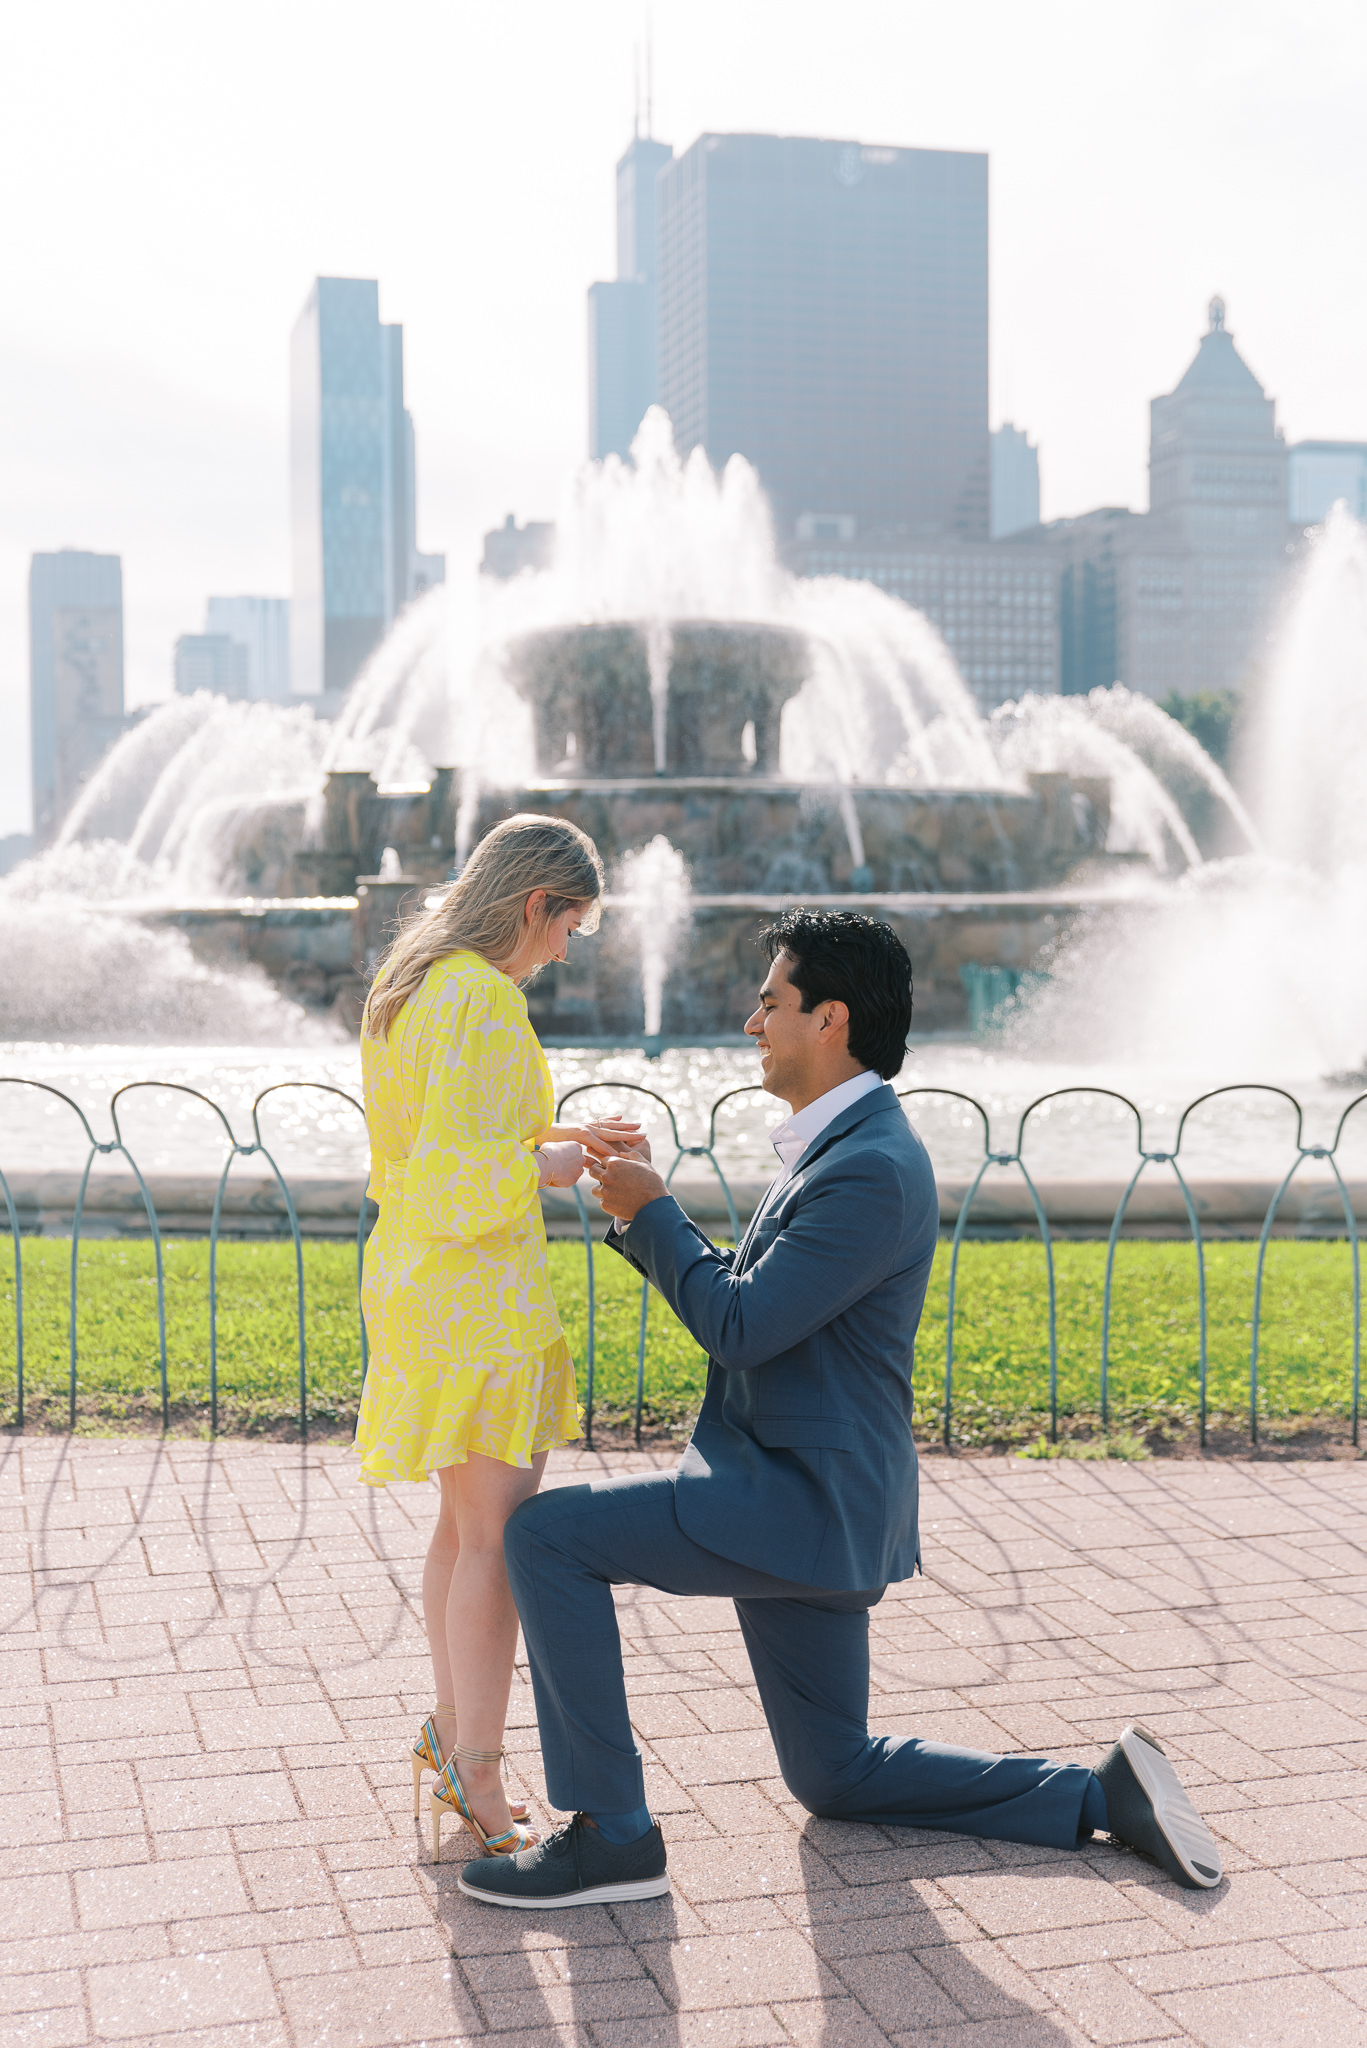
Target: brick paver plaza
(215, 1664)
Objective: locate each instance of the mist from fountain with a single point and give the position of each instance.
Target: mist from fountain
(172, 788)
(77, 969)
(1254, 964)
(653, 885)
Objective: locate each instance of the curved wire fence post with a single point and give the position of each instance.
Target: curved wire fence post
(1154, 1159)
(46, 1088)
(1268, 1221)
(321, 1088)
(960, 1225)
(155, 1229)
(1352, 1225)
(1202, 1315)
(1048, 1242)
(1302, 1153)
(1056, 1095)
(18, 1303)
(587, 1227)
(625, 1088)
(214, 1222)
(75, 1260)
(1116, 1221)
(1350, 1219)
(180, 1088)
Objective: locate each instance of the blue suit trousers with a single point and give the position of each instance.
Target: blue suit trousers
(809, 1650)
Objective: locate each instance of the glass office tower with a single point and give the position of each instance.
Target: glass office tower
(623, 369)
(352, 489)
(823, 311)
(75, 675)
(261, 626)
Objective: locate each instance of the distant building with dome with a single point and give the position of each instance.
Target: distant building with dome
(1182, 597)
(1178, 598)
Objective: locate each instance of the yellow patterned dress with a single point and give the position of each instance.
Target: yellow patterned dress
(466, 1349)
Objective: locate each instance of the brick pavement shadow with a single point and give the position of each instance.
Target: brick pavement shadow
(554, 1976)
(906, 1964)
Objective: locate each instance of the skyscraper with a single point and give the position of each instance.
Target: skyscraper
(822, 310)
(261, 627)
(352, 484)
(623, 367)
(1015, 482)
(1181, 598)
(75, 675)
(212, 662)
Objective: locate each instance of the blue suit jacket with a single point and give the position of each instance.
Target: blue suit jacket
(802, 1462)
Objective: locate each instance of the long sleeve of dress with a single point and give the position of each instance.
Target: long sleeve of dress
(471, 1169)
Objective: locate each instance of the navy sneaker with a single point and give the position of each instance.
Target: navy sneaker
(1147, 1810)
(574, 1866)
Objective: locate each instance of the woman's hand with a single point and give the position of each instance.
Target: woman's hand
(613, 1137)
(608, 1134)
(559, 1164)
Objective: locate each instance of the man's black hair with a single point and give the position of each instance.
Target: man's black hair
(844, 957)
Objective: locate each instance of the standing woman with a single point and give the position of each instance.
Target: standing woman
(470, 1376)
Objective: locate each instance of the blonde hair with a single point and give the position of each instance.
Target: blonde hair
(482, 911)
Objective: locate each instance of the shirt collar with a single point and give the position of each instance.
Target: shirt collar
(791, 1138)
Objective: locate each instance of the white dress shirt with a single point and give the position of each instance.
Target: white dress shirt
(791, 1138)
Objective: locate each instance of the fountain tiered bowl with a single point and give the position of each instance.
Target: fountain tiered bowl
(975, 881)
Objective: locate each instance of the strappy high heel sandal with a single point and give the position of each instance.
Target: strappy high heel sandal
(427, 1757)
(450, 1797)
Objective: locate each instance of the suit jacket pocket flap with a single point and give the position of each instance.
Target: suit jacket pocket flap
(803, 1433)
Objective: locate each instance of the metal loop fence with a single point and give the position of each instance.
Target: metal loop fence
(236, 1150)
(592, 1226)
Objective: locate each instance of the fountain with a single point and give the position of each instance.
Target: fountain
(671, 688)
(1256, 962)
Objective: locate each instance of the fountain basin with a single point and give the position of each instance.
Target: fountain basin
(315, 950)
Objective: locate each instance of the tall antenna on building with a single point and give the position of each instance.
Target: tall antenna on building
(636, 92)
(650, 77)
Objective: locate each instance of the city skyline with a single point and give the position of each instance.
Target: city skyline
(155, 430)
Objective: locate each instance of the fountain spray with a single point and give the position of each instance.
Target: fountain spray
(654, 888)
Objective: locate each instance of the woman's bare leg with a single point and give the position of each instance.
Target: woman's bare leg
(471, 1619)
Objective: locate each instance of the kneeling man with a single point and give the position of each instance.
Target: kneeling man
(796, 1496)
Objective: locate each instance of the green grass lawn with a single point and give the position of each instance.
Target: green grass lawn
(1001, 1337)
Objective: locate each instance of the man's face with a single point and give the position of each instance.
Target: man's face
(786, 1035)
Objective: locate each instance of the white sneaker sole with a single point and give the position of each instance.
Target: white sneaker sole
(1187, 1835)
(594, 1895)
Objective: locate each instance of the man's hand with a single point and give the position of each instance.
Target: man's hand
(624, 1186)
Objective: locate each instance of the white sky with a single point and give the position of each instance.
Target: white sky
(177, 171)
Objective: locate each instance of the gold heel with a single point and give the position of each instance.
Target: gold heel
(427, 1756)
(449, 1797)
(427, 1751)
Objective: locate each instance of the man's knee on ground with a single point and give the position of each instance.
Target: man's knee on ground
(825, 1792)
